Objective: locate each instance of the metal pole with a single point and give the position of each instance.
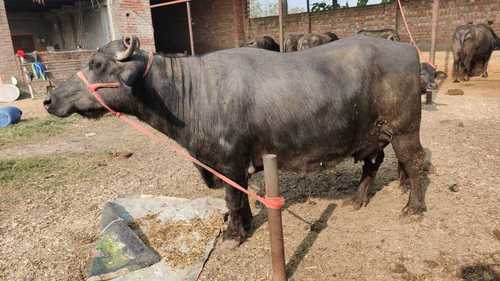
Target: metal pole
(274, 218)
(280, 14)
(309, 29)
(435, 13)
(190, 25)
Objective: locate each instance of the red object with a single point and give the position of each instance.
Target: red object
(20, 53)
(269, 202)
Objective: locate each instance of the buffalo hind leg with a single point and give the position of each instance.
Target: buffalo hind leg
(410, 154)
(370, 169)
(403, 178)
(240, 214)
(456, 70)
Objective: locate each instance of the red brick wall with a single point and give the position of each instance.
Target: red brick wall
(8, 66)
(238, 30)
(213, 25)
(346, 22)
(134, 17)
(343, 22)
(452, 13)
(56, 62)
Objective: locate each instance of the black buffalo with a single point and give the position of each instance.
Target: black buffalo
(472, 49)
(230, 107)
(311, 40)
(387, 33)
(291, 41)
(264, 42)
(428, 76)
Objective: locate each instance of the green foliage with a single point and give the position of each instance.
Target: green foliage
(362, 3)
(259, 9)
(322, 6)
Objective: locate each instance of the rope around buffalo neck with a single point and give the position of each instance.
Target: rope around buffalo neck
(269, 202)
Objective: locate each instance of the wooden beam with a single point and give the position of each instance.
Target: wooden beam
(309, 28)
(168, 3)
(190, 26)
(435, 14)
(397, 17)
(274, 218)
(280, 15)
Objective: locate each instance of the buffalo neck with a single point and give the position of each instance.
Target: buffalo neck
(166, 96)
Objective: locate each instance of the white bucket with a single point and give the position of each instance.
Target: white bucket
(8, 93)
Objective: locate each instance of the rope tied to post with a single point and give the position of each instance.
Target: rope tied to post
(411, 36)
(269, 202)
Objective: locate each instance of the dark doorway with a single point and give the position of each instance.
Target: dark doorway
(23, 42)
(171, 30)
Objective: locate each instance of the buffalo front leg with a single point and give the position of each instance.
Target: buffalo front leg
(456, 70)
(410, 154)
(485, 70)
(240, 214)
(370, 168)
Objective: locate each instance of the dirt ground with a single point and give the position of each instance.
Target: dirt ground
(49, 215)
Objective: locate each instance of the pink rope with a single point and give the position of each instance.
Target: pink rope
(411, 36)
(269, 202)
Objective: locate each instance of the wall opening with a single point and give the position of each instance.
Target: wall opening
(58, 25)
(170, 24)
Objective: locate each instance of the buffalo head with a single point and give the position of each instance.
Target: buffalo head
(119, 61)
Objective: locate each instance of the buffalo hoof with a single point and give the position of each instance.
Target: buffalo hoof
(410, 210)
(234, 236)
(456, 81)
(356, 203)
(230, 244)
(404, 187)
(247, 224)
(485, 75)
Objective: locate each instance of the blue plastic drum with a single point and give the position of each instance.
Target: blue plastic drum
(9, 115)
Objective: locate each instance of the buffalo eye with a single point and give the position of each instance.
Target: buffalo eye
(96, 65)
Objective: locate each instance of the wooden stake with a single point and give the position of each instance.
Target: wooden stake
(274, 218)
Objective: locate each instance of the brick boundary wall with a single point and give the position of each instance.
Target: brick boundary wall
(134, 17)
(8, 64)
(345, 22)
(214, 25)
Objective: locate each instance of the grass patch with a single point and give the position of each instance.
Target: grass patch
(34, 128)
(49, 171)
(14, 170)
